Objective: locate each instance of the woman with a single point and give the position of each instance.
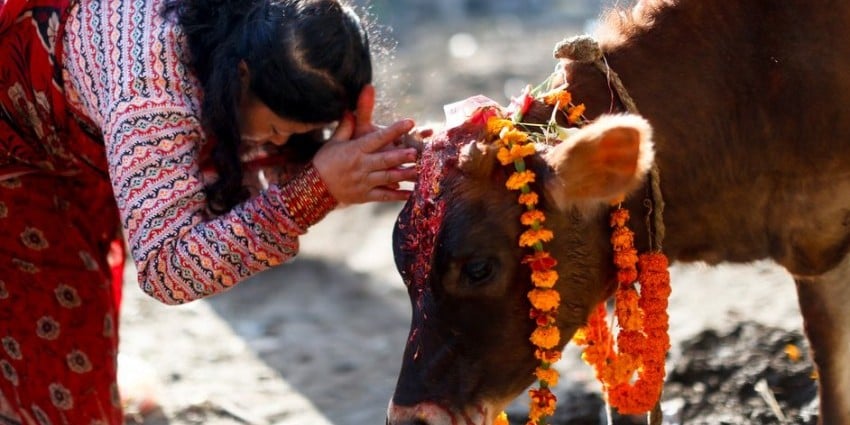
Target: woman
(139, 116)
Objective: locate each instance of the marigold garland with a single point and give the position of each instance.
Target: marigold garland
(632, 375)
(514, 145)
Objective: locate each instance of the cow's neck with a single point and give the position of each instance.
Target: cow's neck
(684, 89)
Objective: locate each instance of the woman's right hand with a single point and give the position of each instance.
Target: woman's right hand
(366, 167)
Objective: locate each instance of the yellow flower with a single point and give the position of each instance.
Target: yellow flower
(528, 218)
(562, 98)
(581, 337)
(508, 156)
(548, 375)
(528, 199)
(621, 370)
(513, 136)
(530, 237)
(548, 356)
(496, 124)
(502, 419)
(547, 337)
(792, 352)
(544, 278)
(519, 179)
(575, 113)
(542, 404)
(544, 299)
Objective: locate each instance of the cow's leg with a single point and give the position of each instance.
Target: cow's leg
(825, 304)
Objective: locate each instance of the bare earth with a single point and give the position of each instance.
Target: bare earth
(319, 340)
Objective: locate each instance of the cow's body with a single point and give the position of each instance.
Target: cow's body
(749, 102)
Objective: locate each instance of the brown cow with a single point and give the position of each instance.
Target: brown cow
(749, 104)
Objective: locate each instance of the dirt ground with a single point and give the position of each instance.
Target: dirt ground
(319, 340)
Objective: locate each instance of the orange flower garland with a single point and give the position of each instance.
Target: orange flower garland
(632, 375)
(514, 145)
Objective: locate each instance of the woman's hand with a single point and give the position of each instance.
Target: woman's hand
(360, 163)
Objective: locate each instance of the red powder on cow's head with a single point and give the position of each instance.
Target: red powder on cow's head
(422, 218)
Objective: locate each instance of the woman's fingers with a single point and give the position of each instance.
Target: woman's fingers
(387, 159)
(381, 194)
(390, 177)
(377, 139)
(366, 168)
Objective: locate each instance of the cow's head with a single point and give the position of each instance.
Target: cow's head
(455, 244)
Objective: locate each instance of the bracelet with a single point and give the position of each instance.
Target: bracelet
(306, 197)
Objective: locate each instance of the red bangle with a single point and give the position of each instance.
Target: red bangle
(306, 197)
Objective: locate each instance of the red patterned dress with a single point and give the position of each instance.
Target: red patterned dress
(100, 135)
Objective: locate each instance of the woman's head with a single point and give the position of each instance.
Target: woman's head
(298, 62)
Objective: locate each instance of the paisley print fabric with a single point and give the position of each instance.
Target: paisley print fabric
(100, 136)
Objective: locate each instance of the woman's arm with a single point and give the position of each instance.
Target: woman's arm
(181, 252)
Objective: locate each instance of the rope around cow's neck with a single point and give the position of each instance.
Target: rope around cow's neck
(585, 49)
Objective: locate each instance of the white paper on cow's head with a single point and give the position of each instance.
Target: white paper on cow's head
(458, 112)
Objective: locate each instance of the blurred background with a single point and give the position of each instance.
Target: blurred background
(319, 339)
(431, 53)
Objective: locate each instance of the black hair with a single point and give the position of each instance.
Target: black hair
(307, 61)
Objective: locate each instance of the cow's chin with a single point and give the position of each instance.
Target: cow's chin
(434, 414)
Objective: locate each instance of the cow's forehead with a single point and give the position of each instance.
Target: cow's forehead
(422, 218)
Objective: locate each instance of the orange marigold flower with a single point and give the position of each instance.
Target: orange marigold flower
(562, 98)
(519, 179)
(622, 238)
(631, 341)
(530, 237)
(542, 318)
(501, 419)
(629, 401)
(529, 199)
(508, 156)
(544, 299)
(627, 276)
(626, 258)
(547, 375)
(544, 278)
(575, 113)
(628, 314)
(793, 353)
(542, 403)
(548, 356)
(621, 370)
(496, 124)
(540, 261)
(513, 137)
(654, 261)
(581, 336)
(619, 217)
(547, 337)
(529, 218)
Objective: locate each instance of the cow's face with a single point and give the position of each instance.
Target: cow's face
(455, 243)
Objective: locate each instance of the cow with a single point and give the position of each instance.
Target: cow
(744, 109)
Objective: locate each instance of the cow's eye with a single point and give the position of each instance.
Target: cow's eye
(478, 270)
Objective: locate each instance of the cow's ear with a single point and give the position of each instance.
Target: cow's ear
(600, 162)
